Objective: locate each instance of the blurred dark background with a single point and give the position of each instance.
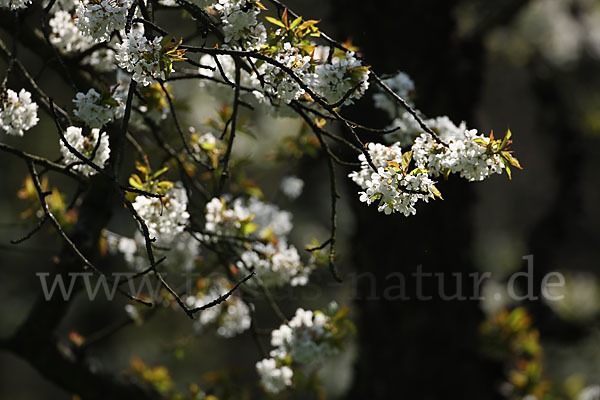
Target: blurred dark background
(531, 66)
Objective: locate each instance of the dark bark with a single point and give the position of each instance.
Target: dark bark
(419, 349)
(35, 340)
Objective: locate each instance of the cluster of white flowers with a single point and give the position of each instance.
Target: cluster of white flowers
(269, 218)
(268, 253)
(304, 339)
(403, 86)
(465, 154)
(232, 317)
(17, 112)
(181, 251)
(99, 19)
(331, 80)
(14, 4)
(240, 23)
(96, 111)
(577, 299)
(227, 64)
(165, 217)
(65, 34)
(292, 186)
(223, 221)
(335, 79)
(141, 56)
(590, 393)
(274, 378)
(392, 186)
(68, 38)
(275, 264)
(96, 145)
(205, 141)
(408, 126)
(278, 83)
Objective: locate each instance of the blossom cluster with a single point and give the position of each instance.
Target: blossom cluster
(181, 251)
(227, 65)
(292, 186)
(141, 56)
(278, 83)
(306, 339)
(264, 227)
(454, 150)
(93, 146)
(333, 79)
(14, 4)
(239, 18)
(165, 217)
(66, 36)
(99, 19)
(231, 317)
(17, 112)
(465, 154)
(207, 146)
(393, 185)
(345, 73)
(97, 110)
(403, 86)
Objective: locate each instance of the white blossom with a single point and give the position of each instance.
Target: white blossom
(240, 24)
(99, 19)
(274, 379)
(222, 91)
(166, 217)
(232, 316)
(275, 264)
(465, 154)
(68, 38)
(14, 4)
(141, 56)
(181, 251)
(335, 79)
(269, 218)
(95, 144)
(590, 393)
(393, 189)
(279, 83)
(292, 186)
(95, 111)
(223, 221)
(65, 35)
(304, 338)
(17, 112)
(268, 253)
(402, 85)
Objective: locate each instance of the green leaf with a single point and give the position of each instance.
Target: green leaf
(275, 21)
(295, 22)
(418, 171)
(512, 160)
(436, 192)
(447, 173)
(160, 172)
(506, 138)
(406, 158)
(166, 40)
(208, 146)
(248, 228)
(260, 5)
(508, 171)
(135, 182)
(254, 191)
